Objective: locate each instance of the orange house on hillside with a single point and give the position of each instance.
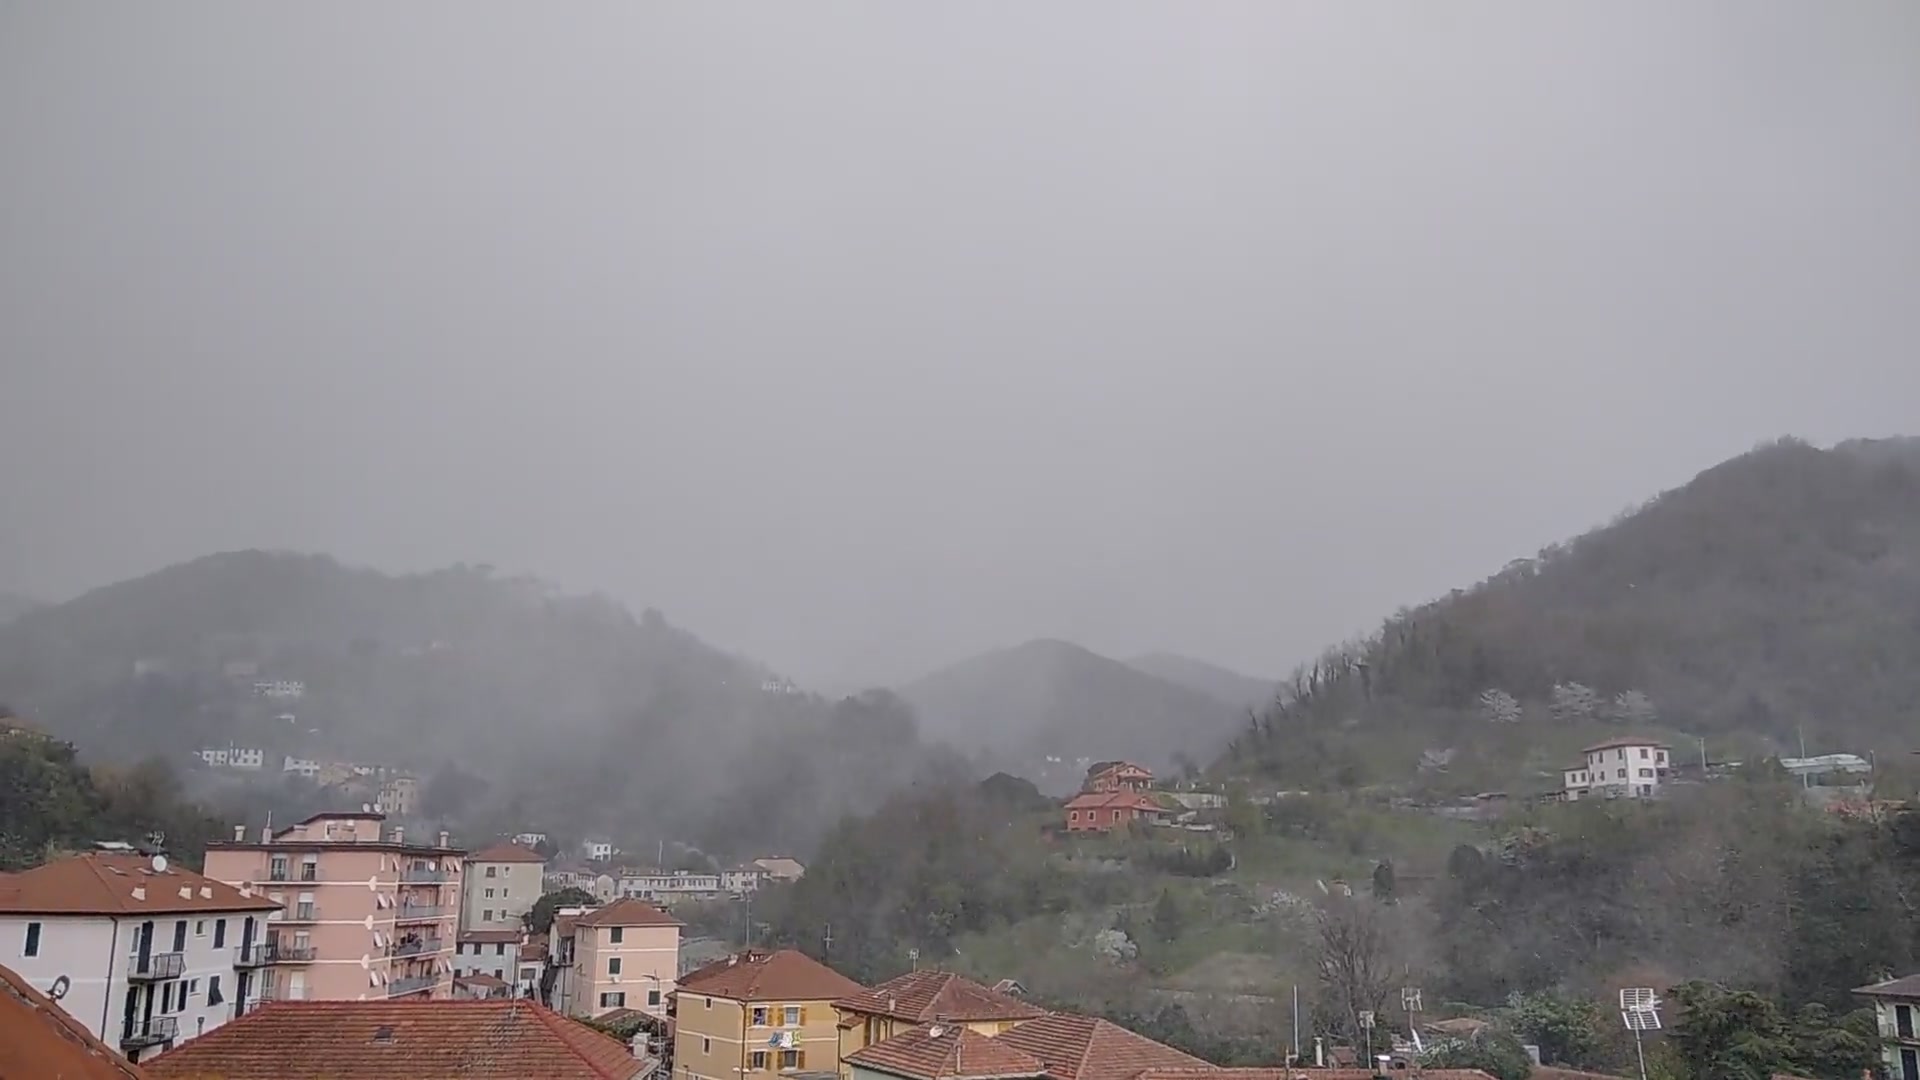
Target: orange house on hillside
(1101, 811)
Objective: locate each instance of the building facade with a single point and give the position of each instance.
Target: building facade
(902, 1004)
(1896, 1003)
(1104, 811)
(1632, 768)
(626, 955)
(365, 915)
(140, 952)
(499, 886)
(758, 1014)
(666, 888)
(1117, 776)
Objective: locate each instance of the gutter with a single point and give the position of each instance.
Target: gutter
(106, 1007)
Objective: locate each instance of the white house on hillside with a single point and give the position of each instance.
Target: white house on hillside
(1631, 768)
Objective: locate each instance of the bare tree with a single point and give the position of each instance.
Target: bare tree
(1355, 957)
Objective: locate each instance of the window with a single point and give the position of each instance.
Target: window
(1643, 751)
(277, 868)
(219, 933)
(193, 986)
(499, 948)
(486, 915)
(490, 873)
(1116, 815)
(310, 868)
(706, 1045)
(489, 894)
(180, 935)
(166, 997)
(1646, 772)
(791, 1017)
(613, 965)
(759, 1016)
(1620, 755)
(214, 997)
(1903, 1021)
(709, 1003)
(789, 1059)
(618, 934)
(1620, 774)
(758, 1061)
(1073, 815)
(199, 928)
(33, 940)
(653, 997)
(497, 975)
(615, 1000)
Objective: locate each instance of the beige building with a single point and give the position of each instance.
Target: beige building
(365, 915)
(921, 997)
(625, 955)
(500, 886)
(757, 1014)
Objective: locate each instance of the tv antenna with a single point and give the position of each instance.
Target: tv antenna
(913, 957)
(1640, 1012)
(1410, 1001)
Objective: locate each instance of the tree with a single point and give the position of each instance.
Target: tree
(1566, 1029)
(1498, 706)
(1574, 702)
(1723, 1034)
(1353, 960)
(1383, 881)
(541, 917)
(1489, 1050)
(1634, 707)
(1169, 922)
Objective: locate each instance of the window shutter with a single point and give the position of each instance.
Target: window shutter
(800, 1058)
(803, 1016)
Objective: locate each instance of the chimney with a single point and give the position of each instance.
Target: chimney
(239, 834)
(399, 835)
(443, 838)
(266, 834)
(186, 892)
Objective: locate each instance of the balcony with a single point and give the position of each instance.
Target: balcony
(415, 948)
(411, 985)
(277, 873)
(165, 965)
(276, 992)
(160, 1029)
(420, 913)
(420, 875)
(298, 913)
(271, 952)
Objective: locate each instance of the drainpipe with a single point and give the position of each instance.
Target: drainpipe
(106, 1007)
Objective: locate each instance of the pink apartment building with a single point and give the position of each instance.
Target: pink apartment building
(365, 915)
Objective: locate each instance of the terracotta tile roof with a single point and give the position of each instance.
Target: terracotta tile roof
(786, 975)
(481, 979)
(1087, 1048)
(921, 996)
(496, 1039)
(1112, 800)
(103, 883)
(39, 1039)
(1216, 1073)
(1625, 742)
(1905, 986)
(627, 912)
(533, 950)
(947, 1052)
(507, 852)
(489, 937)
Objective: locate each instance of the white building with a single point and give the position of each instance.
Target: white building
(598, 850)
(213, 755)
(306, 767)
(1631, 768)
(243, 758)
(142, 951)
(492, 952)
(501, 885)
(530, 839)
(666, 888)
(1896, 1003)
(281, 689)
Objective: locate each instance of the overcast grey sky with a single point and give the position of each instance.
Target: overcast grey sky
(860, 337)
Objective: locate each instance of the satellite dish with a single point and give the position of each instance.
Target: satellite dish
(59, 988)
(159, 864)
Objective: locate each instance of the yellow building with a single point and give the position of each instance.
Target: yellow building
(920, 997)
(755, 1015)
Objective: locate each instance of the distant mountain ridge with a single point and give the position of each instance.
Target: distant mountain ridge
(1055, 698)
(13, 605)
(1221, 684)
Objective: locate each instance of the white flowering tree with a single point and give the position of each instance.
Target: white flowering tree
(1574, 701)
(1498, 706)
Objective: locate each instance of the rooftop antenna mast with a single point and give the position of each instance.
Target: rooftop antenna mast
(1410, 1001)
(1639, 1011)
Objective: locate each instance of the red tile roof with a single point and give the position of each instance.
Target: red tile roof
(947, 1052)
(496, 1039)
(921, 996)
(1216, 1073)
(507, 852)
(103, 883)
(785, 975)
(39, 1039)
(1086, 1048)
(627, 912)
(1113, 800)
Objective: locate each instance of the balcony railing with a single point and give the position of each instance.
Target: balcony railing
(420, 875)
(276, 992)
(421, 912)
(276, 873)
(415, 948)
(411, 985)
(296, 913)
(166, 965)
(271, 952)
(160, 1029)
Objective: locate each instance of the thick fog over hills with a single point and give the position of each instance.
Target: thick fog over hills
(863, 338)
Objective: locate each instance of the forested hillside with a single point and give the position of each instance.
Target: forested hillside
(1775, 596)
(1056, 698)
(1221, 684)
(537, 709)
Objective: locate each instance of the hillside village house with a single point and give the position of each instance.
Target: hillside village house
(757, 1014)
(669, 887)
(1103, 811)
(499, 886)
(1896, 1003)
(781, 867)
(366, 914)
(918, 998)
(1631, 767)
(1118, 776)
(140, 951)
(625, 955)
